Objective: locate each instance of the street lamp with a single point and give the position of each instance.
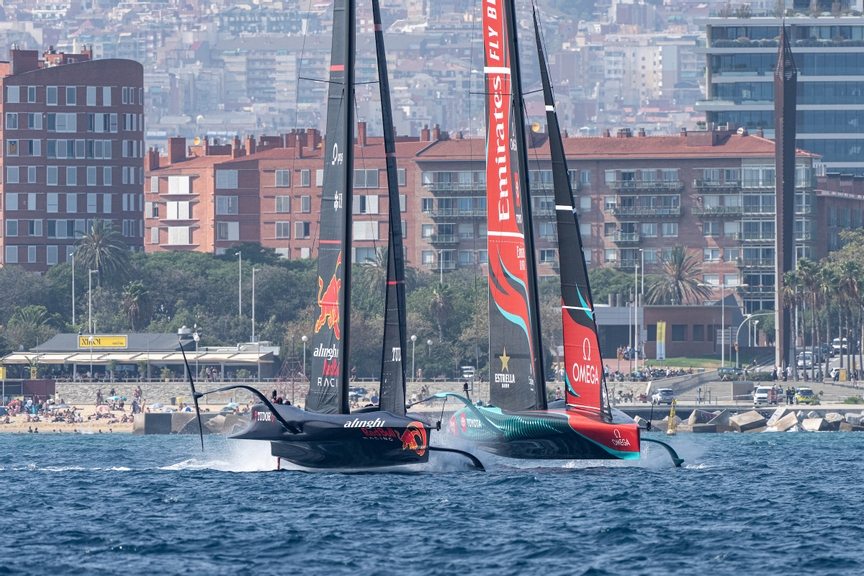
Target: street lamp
(747, 318)
(413, 372)
(239, 283)
(305, 339)
(756, 331)
(196, 336)
(254, 271)
(440, 266)
(90, 299)
(91, 358)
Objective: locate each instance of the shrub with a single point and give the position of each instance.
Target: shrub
(854, 400)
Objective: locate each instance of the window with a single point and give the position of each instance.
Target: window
(283, 230)
(34, 121)
(91, 95)
(586, 253)
(649, 229)
(227, 231)
(712, 279)
(650, 256)
(669, 229)
(584, 204)
(124, 98)
(91, 175)
(730, 280)
(698, 332)
(11, 254)
(34, 147)
(547, 256)
(283, 204)
(609, 202)
(11, 201)
(53, 202)
(12, 174)
(710, 228)
(362, 255)
(301, 230)
(179, 185)
(731, 254)
(365, 204)
(428, 256)
(711, 254)
(34, 228)
(283, 178)
(226, 179)
(611, 255)
(609, 177)
(71, 95)
(11, 227)
(154, 235)
(669, 175)
(305, 178)
(51, 176)
(546, 230)
(31, 174)
(679, 332)
(711, 175)
(11, 120)
(178, 235)
(465, 258)
(427, 204)
(106, 176)
(306, 204)
(649, 175)
(12, 147)
(585, 177)
(51, 255)
(401, 176)
(31, 94)
(482, 257)
(585, 230)
(466, 231)
(732, 176)
(319, 178)
(91, 203)
(51, 95)
(609, 229)
(106, 96)
(366, 178)
(12, 94)
(71, 176)
(71, 203)
(365, 230)
(226, 205)
(426, 230)
(177, 210)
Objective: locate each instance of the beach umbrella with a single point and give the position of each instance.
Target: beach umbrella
(115, 398)
(60, 407)
(3, 411)
(103, 408)
(156, 406)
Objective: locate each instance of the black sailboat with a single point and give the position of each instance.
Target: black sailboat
(326, 434)
(519, 423)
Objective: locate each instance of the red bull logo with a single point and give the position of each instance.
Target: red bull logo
(331, 367)
(328, 301)
(414, 438)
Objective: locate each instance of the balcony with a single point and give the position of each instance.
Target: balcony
(544, 212)
(443, 239)
(456, 213)
(715, 185)
(626, 237)
(640, 185)
(755, 262)
(441, 265)
(625, 264)
(755, 236)
(761, 292)
(635, 211)
(719, 211)
(457, 187)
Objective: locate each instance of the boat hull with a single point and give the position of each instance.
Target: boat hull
(349, 441)
(548, 434)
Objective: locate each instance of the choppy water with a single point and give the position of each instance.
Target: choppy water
(743, 504)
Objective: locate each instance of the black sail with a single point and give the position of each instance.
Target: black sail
(392, 396)
(583, 364)
(328, 380)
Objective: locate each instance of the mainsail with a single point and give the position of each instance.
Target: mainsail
(392, 397)
(516, 377)
(584, 366)
(328, 381)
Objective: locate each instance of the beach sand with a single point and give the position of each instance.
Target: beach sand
(18, 424)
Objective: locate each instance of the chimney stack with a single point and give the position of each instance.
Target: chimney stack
(361, 133)
(313, 138)
(606, 133)
(301, 142)
(152, 159)
(251, 146)
(436, 133)
(424, 134)
(623, 133)
(683, 132)
(236, 150)
(641, 133)
(759, 133)
(176, 149)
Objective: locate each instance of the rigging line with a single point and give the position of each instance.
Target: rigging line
(317, 80)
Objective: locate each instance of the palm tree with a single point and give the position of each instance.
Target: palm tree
(440, 307)
(848, 291)
(826, 287)
(807, 282)
(374, 276)
(679, 282)
(103, 249)
(136, 303)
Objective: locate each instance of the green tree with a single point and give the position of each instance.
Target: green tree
(607, 280)
(102, 248)
(30, 326)
(679, 282)
(440, 307)
(136, 304)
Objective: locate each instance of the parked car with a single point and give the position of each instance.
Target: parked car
(805, 359)
(729, 373)
(765, 395)
(804, 395)
(663, 396)
(838, 349)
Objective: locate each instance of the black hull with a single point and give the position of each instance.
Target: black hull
(341, 441)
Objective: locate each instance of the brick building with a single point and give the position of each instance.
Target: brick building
(267, 191)
(72, 144)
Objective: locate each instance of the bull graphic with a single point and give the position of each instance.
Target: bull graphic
(329, 302)
(414, 438)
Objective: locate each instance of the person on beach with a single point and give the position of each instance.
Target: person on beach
(98, 397)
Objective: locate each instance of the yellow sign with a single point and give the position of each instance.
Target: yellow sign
(102, 341)
(2, 372)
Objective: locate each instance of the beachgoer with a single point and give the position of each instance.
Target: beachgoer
(558, 393)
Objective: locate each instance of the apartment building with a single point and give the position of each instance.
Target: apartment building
(268, 191)
(72, 149)
(739, 61)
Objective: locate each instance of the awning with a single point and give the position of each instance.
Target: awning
(102, 357)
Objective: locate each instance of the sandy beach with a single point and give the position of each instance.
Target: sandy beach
(108, 423)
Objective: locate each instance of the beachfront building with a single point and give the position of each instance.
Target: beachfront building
(72, 148)
(740, 55)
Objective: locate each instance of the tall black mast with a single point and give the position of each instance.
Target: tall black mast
(392, 397)
(525, 195)
(328, 385)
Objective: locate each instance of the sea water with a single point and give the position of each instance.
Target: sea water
(741, 504)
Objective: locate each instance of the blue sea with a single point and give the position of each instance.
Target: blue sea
(742, 504)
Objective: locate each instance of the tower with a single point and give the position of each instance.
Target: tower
(785, 85)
